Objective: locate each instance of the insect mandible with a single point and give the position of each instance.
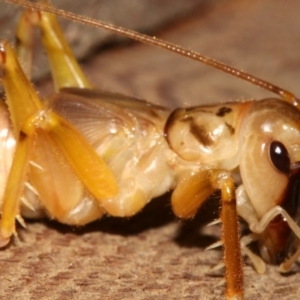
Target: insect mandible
(204, 175)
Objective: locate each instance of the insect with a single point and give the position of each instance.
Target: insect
(196, 172)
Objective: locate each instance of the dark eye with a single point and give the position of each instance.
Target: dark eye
(280, 157)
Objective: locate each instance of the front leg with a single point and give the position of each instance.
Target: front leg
(190, 194)
(230, 235)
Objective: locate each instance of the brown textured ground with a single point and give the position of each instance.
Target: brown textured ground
(153, 256)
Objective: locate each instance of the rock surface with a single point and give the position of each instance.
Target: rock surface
(143, 15)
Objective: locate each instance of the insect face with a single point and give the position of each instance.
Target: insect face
(269, 166)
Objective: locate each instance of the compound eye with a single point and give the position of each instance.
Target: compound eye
(280, 157)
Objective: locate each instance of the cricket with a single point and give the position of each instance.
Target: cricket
(84, 153)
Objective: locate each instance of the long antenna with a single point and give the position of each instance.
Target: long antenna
(153, 41)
